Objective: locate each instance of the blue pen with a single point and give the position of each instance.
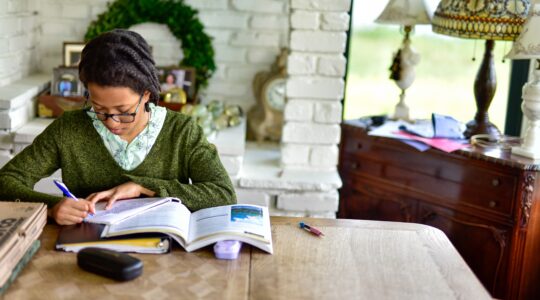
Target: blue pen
(66, 191)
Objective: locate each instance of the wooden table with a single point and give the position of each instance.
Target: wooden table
(355, 260)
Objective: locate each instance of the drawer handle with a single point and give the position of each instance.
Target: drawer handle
(359, 146)
(492, 204)
(354, 166)
(495, 182)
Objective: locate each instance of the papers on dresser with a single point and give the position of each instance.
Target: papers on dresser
(393, 129)
(389, 129)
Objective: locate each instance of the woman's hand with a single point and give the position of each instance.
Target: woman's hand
(69, 211)
(123, 191)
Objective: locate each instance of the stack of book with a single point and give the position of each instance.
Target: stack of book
(21, 224)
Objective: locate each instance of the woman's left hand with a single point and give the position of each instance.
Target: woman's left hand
(124, 191)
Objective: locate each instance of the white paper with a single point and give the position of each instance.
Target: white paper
(123, 209)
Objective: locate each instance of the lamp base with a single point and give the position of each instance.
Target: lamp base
(401, 111)
(484, 90)
(474, 127)
(531, 109)
(530, 153)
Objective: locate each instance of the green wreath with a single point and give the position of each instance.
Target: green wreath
(182, 22)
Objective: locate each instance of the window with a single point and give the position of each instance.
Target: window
(444, 77)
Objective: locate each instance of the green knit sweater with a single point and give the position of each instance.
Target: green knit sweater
(180, 153)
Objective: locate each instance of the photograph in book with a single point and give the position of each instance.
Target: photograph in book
(247, 214)
(246, 223)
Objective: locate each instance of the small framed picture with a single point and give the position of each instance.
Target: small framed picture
(72, 53)
(174, 78)
(66, 82)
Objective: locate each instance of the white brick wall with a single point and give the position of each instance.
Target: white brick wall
(255, 39)
(332, 65)
(309, 202)
(208, 4)
(327, 112)
(315, 87)
(224, 19)
(305, 19)
(252, 196)
(165, 47)
(311, 133)
(248, 36)
(261, 6)
(301, 64)
(318, 41)
(324, 156)
(335, 21)
(299, 110)
(295, 154)
(270, 22)
(17, 40)
(322, 5)
(265, 56)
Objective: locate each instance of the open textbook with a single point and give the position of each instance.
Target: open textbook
(242, 222)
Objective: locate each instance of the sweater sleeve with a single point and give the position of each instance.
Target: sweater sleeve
(210, 184)
(38, 160)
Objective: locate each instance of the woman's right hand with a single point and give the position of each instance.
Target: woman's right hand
(69, 211)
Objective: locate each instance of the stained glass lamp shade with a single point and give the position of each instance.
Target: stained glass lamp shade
(489, 20)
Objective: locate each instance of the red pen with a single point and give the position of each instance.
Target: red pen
(311, 229)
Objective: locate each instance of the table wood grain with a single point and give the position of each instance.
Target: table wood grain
(355, 260)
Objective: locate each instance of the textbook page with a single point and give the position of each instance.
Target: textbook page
(171, 218)
(123, 209)
(247, 223)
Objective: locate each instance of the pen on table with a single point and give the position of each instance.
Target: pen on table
(66, 191)
(311, 229)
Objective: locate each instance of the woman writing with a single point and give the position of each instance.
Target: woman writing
(121, 145)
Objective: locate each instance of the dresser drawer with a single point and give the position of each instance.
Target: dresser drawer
(454, 182)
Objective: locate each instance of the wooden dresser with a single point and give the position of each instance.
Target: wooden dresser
(487, 202)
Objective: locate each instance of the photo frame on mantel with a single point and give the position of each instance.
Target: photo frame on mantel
(72, 53)
(66, 82)
(174, 77)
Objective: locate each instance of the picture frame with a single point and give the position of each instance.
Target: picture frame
(66, 82)
(72, 53)
(173, 77)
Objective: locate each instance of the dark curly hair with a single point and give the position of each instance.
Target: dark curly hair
(120, 58)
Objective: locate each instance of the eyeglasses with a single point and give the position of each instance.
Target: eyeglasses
(122, 118)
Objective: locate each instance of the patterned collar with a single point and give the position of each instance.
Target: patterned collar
(131, 155)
